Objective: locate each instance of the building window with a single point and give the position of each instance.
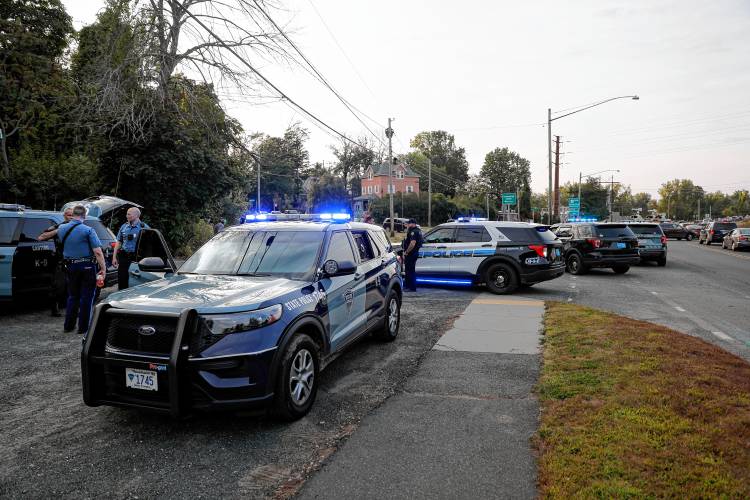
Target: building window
(377, 189)
(409, 188)
(400, 174)
(369, 175)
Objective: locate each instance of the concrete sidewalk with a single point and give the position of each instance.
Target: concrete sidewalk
(461, 427)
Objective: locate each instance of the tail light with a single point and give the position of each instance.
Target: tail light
(540, 250)
(711, 232)
(594, 242)
(743, 238)
(663, 240)
(112, 244)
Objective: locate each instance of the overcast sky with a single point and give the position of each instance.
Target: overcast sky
(488, 71)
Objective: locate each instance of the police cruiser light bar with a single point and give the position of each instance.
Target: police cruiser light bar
(471, 219)
(583, 219)
(323, 217)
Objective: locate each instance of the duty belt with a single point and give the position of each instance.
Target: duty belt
(79, 260)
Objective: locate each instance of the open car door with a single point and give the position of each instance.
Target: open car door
(153, 259)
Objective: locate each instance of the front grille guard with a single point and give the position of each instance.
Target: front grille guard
(93, 360)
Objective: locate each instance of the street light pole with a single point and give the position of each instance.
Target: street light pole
(389, 134)
(549, 141)
(429, 192)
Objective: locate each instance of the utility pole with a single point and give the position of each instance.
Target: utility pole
(389, 135)
(429, 192)
(611, 187)
(487, 204)
(556, 201)
(549, 159)
(257, 205)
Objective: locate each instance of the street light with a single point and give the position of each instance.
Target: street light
(549, 139)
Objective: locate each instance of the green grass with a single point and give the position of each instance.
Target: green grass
(635, 410)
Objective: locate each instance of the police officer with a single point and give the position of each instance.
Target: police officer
(82, 251)
(127, 243)
(48, 234)
(412, 244)
(219, 226)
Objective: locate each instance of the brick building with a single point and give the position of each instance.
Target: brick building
(375, 180)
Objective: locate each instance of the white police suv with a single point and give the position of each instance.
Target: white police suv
(501, 255)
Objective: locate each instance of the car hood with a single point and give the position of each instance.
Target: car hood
(102, 206)
(204, 293)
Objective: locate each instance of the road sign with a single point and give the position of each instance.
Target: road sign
(509, 198)
(574, 203)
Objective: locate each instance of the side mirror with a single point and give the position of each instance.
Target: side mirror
(332, 268)
(153, 264)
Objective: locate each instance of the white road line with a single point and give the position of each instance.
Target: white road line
(723, 336)
(654, 293)
(679, 309)
(572, 285)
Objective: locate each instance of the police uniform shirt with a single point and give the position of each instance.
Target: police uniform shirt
(414, 234)
(81, 242)
(128, 236)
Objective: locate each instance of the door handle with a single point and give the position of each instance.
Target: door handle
(486, 246)
(442, 247)
(135, 273)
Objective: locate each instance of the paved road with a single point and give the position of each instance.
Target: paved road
(703, 291)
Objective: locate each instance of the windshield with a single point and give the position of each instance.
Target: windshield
(725, 226)
(288, 254)
(646, 230)
(612, 231)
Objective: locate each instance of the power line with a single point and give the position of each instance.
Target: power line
(266, 80)
(321, 77)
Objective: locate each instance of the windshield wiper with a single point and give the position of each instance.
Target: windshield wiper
(253, 274)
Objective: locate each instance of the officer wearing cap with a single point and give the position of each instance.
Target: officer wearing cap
(127, 243)
(82, 251)
(48, 234)
(412, 244)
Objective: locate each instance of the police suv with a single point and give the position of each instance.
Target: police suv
(29, 266)
(502, 255)
(249, 320)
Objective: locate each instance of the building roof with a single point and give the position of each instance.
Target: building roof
(382, 169)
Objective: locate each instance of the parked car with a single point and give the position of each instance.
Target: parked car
(695, 229)
(714, 232)
(249, 320)
(29, 266)
(674, 230)
(652, 242)
(109, 209)
(737, 239)
(502, 255)
(598, 245)
(399, 224)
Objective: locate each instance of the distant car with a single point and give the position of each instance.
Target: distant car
(714, 232)
(678, 231)
(590, 245)
(695, 229)
(399, 224)
(737, 239)
(652, 243)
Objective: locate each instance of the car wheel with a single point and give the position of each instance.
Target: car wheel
(622, 269)
(679, 239)
(689, 237)
(501, 279)
(734, 246)
(661, 262)
(297, 382)
(575, 265)
(392, 320)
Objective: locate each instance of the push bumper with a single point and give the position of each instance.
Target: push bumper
(598, 260)
(185, 383)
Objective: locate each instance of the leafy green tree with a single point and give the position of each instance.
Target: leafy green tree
(507, 171)
(679, 198)
(283, 163)
(33, 36)
(594, 197)
(449, 162)
(328, 193)
(352, 160)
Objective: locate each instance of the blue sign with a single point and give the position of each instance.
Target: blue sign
(574, 203)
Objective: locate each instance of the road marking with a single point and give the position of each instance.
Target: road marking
(723, 336)
(680, 309)
(572, 285)
(509, 302)
(654, 293)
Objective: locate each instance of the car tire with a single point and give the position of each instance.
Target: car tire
(574, 264)
(501, 279)
(299, 367)
(679, 239)
(661, 262)
(734, 246)
(622, 269)
(689, 237)
(392, 319)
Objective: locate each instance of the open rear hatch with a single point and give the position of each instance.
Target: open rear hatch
(109, 209)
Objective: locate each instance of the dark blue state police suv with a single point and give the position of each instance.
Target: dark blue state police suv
(248, 321)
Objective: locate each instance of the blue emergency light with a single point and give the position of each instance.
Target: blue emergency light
(471, 219)
(324, 217)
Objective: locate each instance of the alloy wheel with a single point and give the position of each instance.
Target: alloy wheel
(393, 316)
(301, 377)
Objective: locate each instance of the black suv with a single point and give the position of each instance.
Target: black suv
(399, 224)
(672, 230)
(714, 232)
(652, 242)
(598, 245)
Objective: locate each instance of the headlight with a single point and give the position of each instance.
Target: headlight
(221, 324)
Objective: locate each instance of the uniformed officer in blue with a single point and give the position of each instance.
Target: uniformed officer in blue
(127, 243)
(82, 251)
(412, 244)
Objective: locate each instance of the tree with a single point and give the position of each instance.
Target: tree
(328, 193)
(448, 161)
(507, 171)
(353, 160)
(679, 199)
(283, 163)
(594, 196)
(33, 36)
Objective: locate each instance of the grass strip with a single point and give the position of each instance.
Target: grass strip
(635, 410)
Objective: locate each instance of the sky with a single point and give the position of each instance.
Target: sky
(488, 71)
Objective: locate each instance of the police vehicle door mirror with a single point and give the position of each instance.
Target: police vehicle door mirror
(153, 264)
(332, 268)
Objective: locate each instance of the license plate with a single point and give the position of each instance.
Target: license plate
(618, 246)
(141, 379)
(557, 252)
